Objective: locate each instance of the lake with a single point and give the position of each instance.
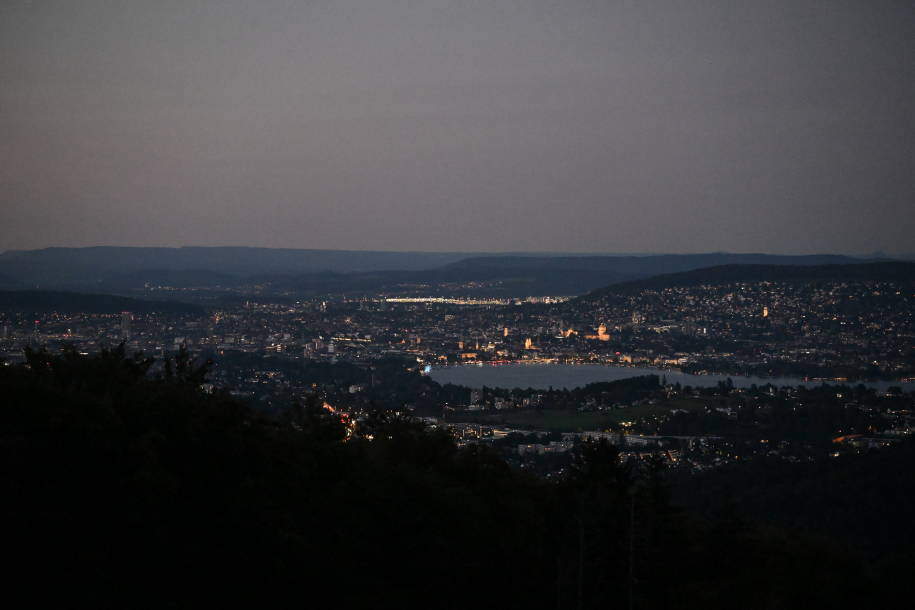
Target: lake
(544, 375)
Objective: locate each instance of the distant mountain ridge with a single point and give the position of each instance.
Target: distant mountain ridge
(318, 272)
(86, 266)
(726, 274)
(43, 301)
(177, 278)
(651, 264)
(8, 283)
(506, 276)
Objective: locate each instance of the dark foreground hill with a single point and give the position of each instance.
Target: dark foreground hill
(41, 301)
(893, 271)
(126, 489)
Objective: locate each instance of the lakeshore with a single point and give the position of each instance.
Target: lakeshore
(541, 375)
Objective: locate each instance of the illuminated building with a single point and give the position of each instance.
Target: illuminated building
(601, 333)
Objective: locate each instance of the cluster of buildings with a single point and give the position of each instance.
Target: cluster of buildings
(269, 350)
(829, 329)
(835, 330)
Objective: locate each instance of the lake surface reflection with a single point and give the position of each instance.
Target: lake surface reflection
(544, 375)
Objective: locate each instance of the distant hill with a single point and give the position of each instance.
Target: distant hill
(57, 267)
(176, 278)
(477, 281)
(641, 266)
(726, 274)
(8, 283)
(318, 272)
(573, 275)
(40, 301)
(512, 275)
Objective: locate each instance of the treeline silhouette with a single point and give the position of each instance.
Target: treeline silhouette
(125, 485)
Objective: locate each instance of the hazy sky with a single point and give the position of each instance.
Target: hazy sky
(572, 125)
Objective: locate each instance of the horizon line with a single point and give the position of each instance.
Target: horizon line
(879, 253)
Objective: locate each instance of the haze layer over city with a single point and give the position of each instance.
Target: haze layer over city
(502, 304)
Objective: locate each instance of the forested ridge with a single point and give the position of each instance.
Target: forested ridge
(125, 485)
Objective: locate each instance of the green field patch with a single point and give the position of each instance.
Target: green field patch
(567, 420)
(572, 420)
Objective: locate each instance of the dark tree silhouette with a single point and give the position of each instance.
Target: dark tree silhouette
(125, 485)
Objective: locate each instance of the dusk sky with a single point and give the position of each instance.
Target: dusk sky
(568, 125)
